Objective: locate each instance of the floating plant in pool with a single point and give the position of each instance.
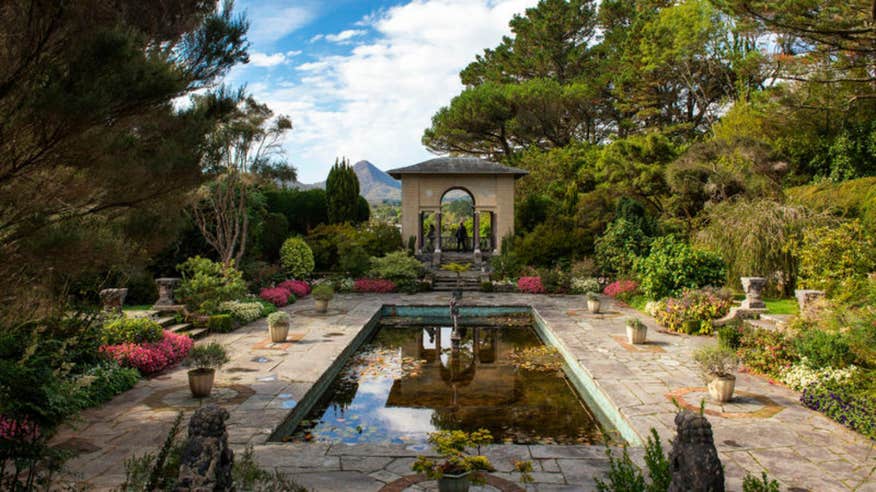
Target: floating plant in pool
(409, 381)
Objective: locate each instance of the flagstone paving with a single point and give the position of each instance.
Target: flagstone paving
(767, 429)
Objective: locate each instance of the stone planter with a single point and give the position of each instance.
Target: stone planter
(753, 287)
(201, 382)
(806, 297)
(454, 483)
(166, 287)
(593, 305)
(278, 333)
(113, 300)
(636, 334)
(721, 388)
(321, 306)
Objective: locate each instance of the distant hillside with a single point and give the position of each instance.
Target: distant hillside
(375, 185)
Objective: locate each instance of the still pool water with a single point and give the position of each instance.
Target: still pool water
(409, 381)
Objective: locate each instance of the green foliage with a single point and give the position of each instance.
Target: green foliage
(208, 356)
(823, 349)
(397, 266)
(766, 351)
(657, 463)
(206, 284)
(323, 292)
(100, 383)
(850, 199)
(555, 280)
(220, 323)
(452, 447)
(244, 312)
(692, 313)
(275, 230)
(279, 318)
(759, 484)
(624, 476)
(619, 246)
(304, 209)
(297, 258)
(549, 243)
(353, 260)
(342, 193)
(730, 336)
(715, 360)
(363, 209)
(487, 286)
(267, 307)
(673, 265)
(331, 244)
(131, 330)
(156, 472)
(830, 256)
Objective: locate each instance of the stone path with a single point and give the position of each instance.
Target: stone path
(766, 429)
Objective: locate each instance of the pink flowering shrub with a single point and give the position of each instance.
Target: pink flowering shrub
(18, 430)
(380, 286)
(530, 285)
(278, 296)
(621, 288)
(150, 358)
(298, 287)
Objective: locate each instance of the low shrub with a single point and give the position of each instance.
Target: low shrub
(102, 382)
(583, 285)
(372, 285)
(298, 287)
(487, 286)
(801, 375)
(344, 284)
(277, 296)
(267, 307)
(555, 280)
(297, 258)
(843, 403)
(150, 358)
(621, 289)
(830, 256)
(396, 266)
(244, 312)
(131, 330)
(729, 336)
(323, 292)
(280, 318)
(693, 312)
(715, 361)
(673, 265)
(220, 323)
(208, 356)
(530, 285)
(823, 349)
(206, 284)
(750, 483)
(766, 351)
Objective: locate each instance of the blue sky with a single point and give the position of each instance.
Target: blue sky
(362, 78)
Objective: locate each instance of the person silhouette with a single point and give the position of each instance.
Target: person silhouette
(461, 237)
(431, 236)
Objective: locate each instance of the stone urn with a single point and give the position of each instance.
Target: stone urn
(113, 299)
(806, 297)
(593, 303)
(454, 483)
(721, 388)
(201, 382)
(753, 287)
(278, 326)
(321, 305)
(166, 286)
(636, 331)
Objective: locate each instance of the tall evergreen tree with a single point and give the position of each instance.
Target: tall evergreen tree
(342, 193)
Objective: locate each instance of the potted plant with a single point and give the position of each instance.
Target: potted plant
(322, 294)
(717, 364)
(636, 331)
(278, 326)
(205, 359)
(455, 472)
(593, 302)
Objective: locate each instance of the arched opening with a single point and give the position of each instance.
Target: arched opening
(457, 220)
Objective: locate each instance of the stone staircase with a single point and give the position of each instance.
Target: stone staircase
(445, 281)
(166, 317)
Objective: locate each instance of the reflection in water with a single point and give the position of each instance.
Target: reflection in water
(409, 381)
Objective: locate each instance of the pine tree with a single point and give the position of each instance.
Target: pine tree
(342, 193)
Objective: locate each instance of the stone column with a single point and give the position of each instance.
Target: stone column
(493, 243)
(436, 256)
(113, 300)
(166, 285)
(420, 244)
(476, 237)
(753, 287)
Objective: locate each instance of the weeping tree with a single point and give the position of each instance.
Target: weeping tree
(242, 151)
(342, 193)
(756, 238)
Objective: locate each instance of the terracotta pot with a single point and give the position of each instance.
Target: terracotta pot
(593, 306)
(721, 388)
(321, 306)
(454, 483)
(279, 333)
(636, 335)
(201, 382)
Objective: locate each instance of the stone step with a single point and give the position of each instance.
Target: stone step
(168, 310)
(197, 333)
(165, 321)
(179, 328)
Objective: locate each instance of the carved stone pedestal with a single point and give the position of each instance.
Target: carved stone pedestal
(166, 287)
(113, 299)
(753, 287)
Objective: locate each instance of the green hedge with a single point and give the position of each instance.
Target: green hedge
(131, 330)
(855, 198)
(220, 323)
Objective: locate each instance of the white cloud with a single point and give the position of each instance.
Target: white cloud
(344, 35)
(374, 102)
(260, 59)
(272, 20)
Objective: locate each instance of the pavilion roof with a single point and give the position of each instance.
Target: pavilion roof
(457, 165)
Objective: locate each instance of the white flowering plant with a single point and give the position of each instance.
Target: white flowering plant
(245, 312)
(799, 375)
(583, 285)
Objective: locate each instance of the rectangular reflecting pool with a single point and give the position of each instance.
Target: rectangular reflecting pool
(406, 380)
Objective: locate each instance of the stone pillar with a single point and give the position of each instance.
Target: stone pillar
(420, 244)
(166, 285)
(206, 458)
(436, 256)
(493, 243)
(113, 300)
(753, 287)
(476, 237)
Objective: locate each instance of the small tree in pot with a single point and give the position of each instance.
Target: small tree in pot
(636, 331)
(205, 359)
(718, 364)
(454, 473)
(278, 325)
(322, 294)
(593, 302)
